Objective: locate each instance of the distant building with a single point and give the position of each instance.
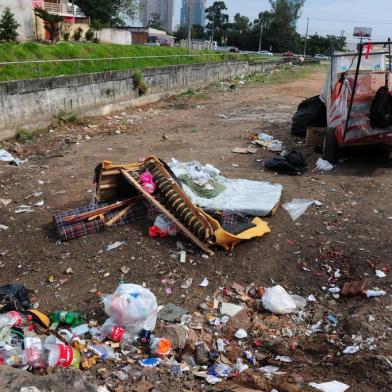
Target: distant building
(164, 8)
(294, 22)
(198, 12)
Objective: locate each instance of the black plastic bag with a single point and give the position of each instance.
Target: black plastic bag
(310, 113)
(293, 163)
(14, 297)
(381, 109)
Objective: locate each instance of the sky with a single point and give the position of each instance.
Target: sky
(326, 16)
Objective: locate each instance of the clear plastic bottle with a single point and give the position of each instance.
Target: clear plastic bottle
(62, 355)
(15, 319)
(118, 334)
(12, 357)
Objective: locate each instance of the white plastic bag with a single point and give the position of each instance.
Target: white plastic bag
(323, 165)
(297, 207)
(166, 225)
(132, 307)
(277, 300)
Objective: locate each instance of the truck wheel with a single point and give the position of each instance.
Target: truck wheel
(330, 146)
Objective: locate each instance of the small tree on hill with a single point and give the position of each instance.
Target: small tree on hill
(8, 26)
(52, 23)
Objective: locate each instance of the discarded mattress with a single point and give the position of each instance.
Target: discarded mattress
(255, 198)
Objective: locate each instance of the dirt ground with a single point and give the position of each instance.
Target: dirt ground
(354, 221)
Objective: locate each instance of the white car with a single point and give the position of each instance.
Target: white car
(265, 53)
(321, 57)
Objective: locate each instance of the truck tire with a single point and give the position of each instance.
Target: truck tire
(330, 146)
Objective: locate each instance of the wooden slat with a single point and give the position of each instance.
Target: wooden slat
(157, 204)
(99, 211)
(119, 215)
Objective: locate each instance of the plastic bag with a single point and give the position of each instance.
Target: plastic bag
(132, 307)
(166, 225)
(323, 165)
(148, 182)
(277, 300)
(297, 207)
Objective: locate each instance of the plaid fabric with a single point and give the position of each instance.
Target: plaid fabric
(69, 231)
(233, 222)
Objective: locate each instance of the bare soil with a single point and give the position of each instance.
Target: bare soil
(354, 221)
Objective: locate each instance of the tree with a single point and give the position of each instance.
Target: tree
(155, 21)
(241, 23)
(198, 32)
(325, 45)
(108, 12)
(218, 22)
(8, 26)
(52, 23)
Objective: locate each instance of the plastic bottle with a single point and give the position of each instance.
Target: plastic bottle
(35, 355)
(70, 318)
(15, 319)
(62, 355)
(12, 357)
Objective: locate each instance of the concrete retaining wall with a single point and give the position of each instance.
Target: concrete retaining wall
(115, 36)
(32, 103)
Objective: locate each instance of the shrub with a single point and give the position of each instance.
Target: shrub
(78, 34)
(89, 34)
(96, 40)
(24, 136)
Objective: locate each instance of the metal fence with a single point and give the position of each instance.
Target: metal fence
(19, 70)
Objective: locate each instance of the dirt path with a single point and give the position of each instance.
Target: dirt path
(354, 220)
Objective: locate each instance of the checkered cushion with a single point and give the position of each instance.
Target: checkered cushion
(69, 231)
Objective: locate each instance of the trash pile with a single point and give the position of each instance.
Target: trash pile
(195, 200)
(240, 336)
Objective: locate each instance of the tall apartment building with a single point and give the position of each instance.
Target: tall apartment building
(198, 8)
(164, 8)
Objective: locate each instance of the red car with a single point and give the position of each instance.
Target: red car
(288, 54)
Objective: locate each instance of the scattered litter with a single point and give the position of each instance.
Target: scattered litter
(3, 227)
(23, 209)
(5, 156)
(277, 300)
(297, 207)
(331, 386)
(150, 362)
(375, 293)
(204, 283)
(351, 350)
(334, 290)
(183, 256)
(292, 163)
(115, 245)
(171, 313)
(5, 202)
(39, 203)
(380, 274)
(241, 334)
(187, 284)
(244, 150)
(311, 298)
(283, 359)
(230, 309)
(323, 165)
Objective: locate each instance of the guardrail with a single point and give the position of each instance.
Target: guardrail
(30, 69)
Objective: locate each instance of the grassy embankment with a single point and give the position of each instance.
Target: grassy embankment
(90, 51)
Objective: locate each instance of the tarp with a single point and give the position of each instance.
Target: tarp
(255, 198)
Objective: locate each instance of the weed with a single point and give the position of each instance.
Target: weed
(69, 118)
(24, 136)
(189, 93)
(138, 83)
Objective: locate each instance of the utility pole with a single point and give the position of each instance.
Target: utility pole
(306, 38)
(261, 33)
(189, 26)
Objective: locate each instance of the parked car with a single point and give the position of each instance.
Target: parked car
(265, 53)
(321, 57)
(288, 54)
(234, 50)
